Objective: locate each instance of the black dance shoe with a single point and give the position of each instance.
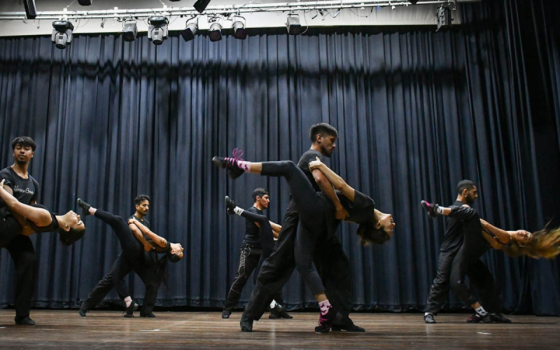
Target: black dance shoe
(429, 318)
(230, 205)
(347, 326)
(327, 320)
(147, 314)
(130, 310)
(83, 310)
(430, 208)
(230, 164)
(85, 207)
(246, 324)
(24, 321)
(499, 318)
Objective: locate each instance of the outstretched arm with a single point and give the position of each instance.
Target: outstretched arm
(327, 188)
(275, 229)
(503, 236)
(335, 179)
(39, 216)
(160, 241)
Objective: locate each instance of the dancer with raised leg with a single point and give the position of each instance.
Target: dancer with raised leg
(134, 257)
(315, 211)
(121, 268)
(259, 234)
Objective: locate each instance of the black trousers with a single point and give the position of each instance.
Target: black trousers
(312, 209)
(250, 256)
(330, 259)
(132, 258)
(113, 279)
(276, 270)
(248, 261)
(468, 263)
(23, 253)
(440, 287)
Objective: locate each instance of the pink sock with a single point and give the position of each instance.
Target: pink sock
(243, 164)
(324, 306)
(128, 301)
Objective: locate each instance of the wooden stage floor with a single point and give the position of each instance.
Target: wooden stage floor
(203, 330)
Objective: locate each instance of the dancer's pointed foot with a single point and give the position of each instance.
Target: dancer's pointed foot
(230, 164)
(85, 207)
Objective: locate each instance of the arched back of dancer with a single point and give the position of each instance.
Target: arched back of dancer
(147, 265)
(315, 211)
(479, 236)
(257, 244)
(28, 219)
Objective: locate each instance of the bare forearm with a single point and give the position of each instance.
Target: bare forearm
(139, 236)
(160, 241)
(335, 179)
(275, 227)
(502, 235)
(39, 216)
(338, 182)
(327, 189)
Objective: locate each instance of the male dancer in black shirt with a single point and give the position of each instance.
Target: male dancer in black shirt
(25, 189)
(259, 232)
(467, 192)
(121, 268)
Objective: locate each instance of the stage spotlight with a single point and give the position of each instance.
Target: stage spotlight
(62, 33)
(157, 31)
(130, 30)
(190, 31)
(200, 5)
(85, 2)
(293, 25)
(215, 33)
(30, 9)
(444, 19)
(239, 30)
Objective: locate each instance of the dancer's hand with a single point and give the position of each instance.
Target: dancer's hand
(521, 236)
(341, 213)
(2, 184)
(315, 164)
(148, 247)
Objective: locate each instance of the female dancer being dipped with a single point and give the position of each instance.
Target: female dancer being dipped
(34, 218)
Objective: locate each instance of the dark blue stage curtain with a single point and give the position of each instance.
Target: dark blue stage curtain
(416, 110)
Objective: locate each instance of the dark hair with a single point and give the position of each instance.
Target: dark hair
(70, 237)
(140, 198)
(464, 185)
(322, 128)
(259, 191)
(545, 244)
(24, 141)
(368, 234)
(173, 257)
